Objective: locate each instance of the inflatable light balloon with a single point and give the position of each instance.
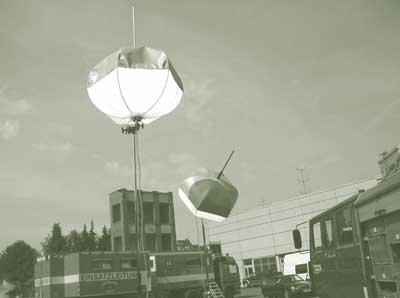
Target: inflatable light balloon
(135, 85)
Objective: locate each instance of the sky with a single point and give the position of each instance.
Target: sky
(286, 84)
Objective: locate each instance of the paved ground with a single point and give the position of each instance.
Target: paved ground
(252, 293)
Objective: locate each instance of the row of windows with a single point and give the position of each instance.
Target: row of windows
(257, 266)
(148, 212)
(337, 228)
(149, 242)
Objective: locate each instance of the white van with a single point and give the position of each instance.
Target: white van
(297, 263)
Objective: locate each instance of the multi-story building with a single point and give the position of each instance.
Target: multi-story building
(259, 238)
(158, 216)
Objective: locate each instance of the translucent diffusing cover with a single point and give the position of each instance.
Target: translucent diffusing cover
(135, 82)
(207, 196)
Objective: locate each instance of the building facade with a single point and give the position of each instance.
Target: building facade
(158, 216)
(259, 239)
(186, 245)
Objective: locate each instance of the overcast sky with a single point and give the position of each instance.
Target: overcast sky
(287, 84)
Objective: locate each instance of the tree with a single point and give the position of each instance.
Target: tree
(104, 241)
(84, 239)
(73, 240)
(17, 263)
(92, 237)
(55, 242)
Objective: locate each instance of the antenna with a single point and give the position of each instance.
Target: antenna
(301, 179)
(226, 163)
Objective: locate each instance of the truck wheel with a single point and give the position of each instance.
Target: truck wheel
(229, 293)
(286, 294)
(192, 294)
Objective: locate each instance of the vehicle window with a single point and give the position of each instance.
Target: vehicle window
(297, 278)
(153, 267)
(396, 252)
(344, 226)
(101, 264)
(328, 232)
(232, 269)
(317, 243)
(287, 278)
(128, 263)
(193, 262)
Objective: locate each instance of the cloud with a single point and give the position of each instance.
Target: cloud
(198, 94)
(64, 147)
(181, 157)
(13, 107)
(384, 114)
(9, 129)
(116, 168)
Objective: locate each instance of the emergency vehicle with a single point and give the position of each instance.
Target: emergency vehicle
(355, 246)
(120, 275)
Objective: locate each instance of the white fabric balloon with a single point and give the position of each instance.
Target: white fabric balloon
(135, 82)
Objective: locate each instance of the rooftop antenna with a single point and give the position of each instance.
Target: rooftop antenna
(302, 180)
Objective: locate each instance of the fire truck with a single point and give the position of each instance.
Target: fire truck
(121, 275)
(355, 246)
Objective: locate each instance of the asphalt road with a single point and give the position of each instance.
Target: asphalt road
(252, 293)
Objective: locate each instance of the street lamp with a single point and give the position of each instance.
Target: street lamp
(211, 196)
(135, 86)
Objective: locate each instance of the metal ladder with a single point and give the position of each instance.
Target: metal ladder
(215, 290)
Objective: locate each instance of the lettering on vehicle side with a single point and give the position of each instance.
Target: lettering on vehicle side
(102, 276)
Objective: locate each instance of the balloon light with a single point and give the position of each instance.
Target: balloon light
(135, 85)
(209, 195)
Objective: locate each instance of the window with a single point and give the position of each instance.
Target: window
(265, 264)
(118, 243)
(150, 242)
(130, 209)
(164, 213)
(116, 212)
(148, 212)
(317, 235)
(247, 262)
(128, 263)
(344, 226)
(131, 242)
(328, 232)
(166, 242)
(396, 252)
(301, 268)
(257, 266)
(232, 269)
(272, 264)
(102, 264)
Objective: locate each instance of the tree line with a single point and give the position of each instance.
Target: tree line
(57, 243)
(17, 260)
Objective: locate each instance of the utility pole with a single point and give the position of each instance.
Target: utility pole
(301, 179)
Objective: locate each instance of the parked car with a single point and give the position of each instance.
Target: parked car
(258, 279)
(287, 286)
